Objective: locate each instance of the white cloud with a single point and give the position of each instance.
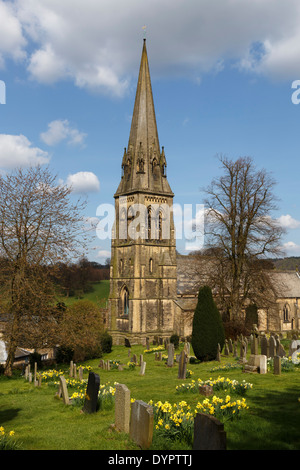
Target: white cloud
(288, 222)
(291, 249)
(12, 42)
(83, 182)
(97, 44)
(17, 151)
(103, 254)
(59, 130)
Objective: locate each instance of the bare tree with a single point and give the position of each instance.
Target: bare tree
(241, 232)
(39, 226)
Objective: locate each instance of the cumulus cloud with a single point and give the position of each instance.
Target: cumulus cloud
(59, 130)
(83, 182)
(291, 249)
(12, 41)
(261, 36)
(288, 222)
(18, 151)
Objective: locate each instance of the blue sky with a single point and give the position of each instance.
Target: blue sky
(222, 75)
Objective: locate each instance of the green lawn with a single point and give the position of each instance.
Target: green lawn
(42, 422)
(99, 294)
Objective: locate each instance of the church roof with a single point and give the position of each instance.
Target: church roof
(144, 163)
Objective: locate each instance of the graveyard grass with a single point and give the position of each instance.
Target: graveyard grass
(41, 421)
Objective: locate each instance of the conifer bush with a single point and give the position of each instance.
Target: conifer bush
(208, 329)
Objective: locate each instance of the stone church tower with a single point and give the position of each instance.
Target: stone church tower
(143, 276)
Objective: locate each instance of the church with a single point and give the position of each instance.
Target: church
(151, 291)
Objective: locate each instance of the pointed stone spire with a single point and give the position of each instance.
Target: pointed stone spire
(143, 164)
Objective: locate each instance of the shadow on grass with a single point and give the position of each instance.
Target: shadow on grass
(272, 425)
(8, 415)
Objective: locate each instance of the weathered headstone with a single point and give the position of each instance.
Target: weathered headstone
(91, 395)
(218, 353)
(64, 390)
(80, 373)
(277, 365)
(254, 345)
(141, 424)
(209, 433)
(182, 365)
(147, 343)
(264, 346)
(71, 369)
(143, 368)
(122, 408)
(226, 349)
(171, 350)
(206, 390)
(272, 346)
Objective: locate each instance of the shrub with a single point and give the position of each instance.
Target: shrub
(208, 329)
(106, 342)
(175, 340)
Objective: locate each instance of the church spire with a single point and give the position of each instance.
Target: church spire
(143, 164)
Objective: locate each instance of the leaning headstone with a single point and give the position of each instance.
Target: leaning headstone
(64, 390)
(171, 350)
(91, 395)
(280, 350)
(226, 349)
(182, 365)
(141, 424)
(277, 365)
(122, 408)
(209, 433)
(143, 368)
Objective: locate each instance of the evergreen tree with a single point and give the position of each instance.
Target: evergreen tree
(208, 329)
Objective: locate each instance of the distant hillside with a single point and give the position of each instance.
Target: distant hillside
(290, 263)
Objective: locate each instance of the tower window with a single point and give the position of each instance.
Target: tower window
(125, 301)
(151, 265)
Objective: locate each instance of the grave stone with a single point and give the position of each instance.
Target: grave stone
(71, 369)
(127, 343)
(74, 371)
(206, 390)
(272, 346)
(277, 365)
(141, 424)
(209, 433)
(64, 390)
(171, 350)
(80, 373)
(91, 395)
(230, 346)
(219, 353)
(226, 349)
(182, 365)
(122, 408)
(143, 368)
(147, 343)
(254, 345)
(264, 346)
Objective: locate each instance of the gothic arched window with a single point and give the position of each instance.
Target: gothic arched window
(285, 313)
(125, 301)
